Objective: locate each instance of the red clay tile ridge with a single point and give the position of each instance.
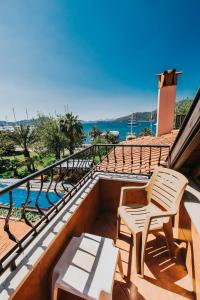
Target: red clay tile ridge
(166, 139)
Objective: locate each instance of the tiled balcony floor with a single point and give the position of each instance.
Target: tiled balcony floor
(165, 278)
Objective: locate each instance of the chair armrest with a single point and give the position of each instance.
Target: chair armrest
(164, 214)
(128, 188)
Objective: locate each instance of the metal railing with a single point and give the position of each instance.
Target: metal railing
(131, 159)
(46, 192)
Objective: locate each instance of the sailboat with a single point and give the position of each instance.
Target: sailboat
(152, 120)
(131, 123)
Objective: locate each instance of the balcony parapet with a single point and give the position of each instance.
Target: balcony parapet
(64, 180)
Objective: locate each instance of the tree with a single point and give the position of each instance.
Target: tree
(145, 132)
(111, 138)
(105, 138)
(94, 132)
(73, 131)
(25, 136)
(7, 145)
(100, 140)
(4, 165)
(14, 166)
(183, 106)
(50, 137)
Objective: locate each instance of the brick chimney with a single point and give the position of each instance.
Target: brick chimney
(167, 82)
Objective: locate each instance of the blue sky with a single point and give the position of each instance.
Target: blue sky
(98, 57)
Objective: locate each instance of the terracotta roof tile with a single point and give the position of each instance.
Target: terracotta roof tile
(166, 139)
(18, 228)
(138, 160)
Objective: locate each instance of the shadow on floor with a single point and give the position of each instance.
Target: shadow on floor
(165, 277)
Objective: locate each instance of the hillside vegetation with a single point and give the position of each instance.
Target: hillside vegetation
(140, 116)
(182, 108)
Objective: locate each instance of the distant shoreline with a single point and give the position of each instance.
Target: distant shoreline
(99, 121)
(121, 126)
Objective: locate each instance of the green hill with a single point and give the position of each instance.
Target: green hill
(182, 108)
(140, 116)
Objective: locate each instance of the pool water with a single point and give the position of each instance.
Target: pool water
(2, 185)
(19, 197)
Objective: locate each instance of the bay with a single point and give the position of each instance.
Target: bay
(122, 127)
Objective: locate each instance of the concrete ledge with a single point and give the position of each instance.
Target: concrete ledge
(11, 280)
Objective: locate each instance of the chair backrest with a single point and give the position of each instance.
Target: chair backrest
(166, 188)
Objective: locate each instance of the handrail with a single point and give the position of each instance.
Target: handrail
(46, 169)
(133, 145)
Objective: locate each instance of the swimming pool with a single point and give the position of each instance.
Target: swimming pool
(3, 185)
(19, 197)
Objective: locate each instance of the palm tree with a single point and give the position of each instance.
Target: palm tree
(50, 137)
(72, 129)
(24, 136)
(94, 132)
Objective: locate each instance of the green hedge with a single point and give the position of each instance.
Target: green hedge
(16, 213)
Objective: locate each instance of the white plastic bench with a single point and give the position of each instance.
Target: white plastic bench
(87, 268)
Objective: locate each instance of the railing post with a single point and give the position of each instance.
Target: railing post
(150, 148)
(38, 196)
(115, 155)
(140, 160)
(23, 213)
(6, 225)
(131, 159)
(160, 153)
(99, 153)
(93, 154)
(48, 189)
(107, 158)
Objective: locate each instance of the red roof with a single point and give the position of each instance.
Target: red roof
(166, 139)
(138, 160)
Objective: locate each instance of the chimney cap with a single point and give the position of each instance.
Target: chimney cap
(167, 78)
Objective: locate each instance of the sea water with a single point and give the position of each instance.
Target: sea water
(122, 127)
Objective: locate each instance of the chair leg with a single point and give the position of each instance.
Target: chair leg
(137, 251)
(55, 294)
(167, 228)
(143, 248)
(120, 265)
(118, 226)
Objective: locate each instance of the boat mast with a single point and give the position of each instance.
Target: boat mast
(151, 118)
(132, 124)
